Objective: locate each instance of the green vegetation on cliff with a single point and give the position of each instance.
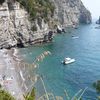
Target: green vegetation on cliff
(38, 8)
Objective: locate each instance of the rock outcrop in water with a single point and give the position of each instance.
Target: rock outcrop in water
(98, 21)
(16, 28)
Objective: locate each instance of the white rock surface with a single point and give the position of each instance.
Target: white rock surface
(15, 23)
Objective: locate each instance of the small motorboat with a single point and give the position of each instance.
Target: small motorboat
(68, 61)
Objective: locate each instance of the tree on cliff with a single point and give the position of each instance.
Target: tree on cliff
(38, 8)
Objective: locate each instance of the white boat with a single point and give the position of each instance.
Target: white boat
(68, 61)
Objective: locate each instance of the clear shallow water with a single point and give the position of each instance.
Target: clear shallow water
(75, 76)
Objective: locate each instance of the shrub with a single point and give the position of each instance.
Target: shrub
(34, 28)
(5, 95)
(38, 8)
(30, 96)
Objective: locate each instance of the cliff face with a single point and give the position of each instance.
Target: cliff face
(16, 27)
(71, 12)
(98, 21)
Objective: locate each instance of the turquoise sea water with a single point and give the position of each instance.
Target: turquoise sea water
(73, 77)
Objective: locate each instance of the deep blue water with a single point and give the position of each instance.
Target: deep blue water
(73, 77)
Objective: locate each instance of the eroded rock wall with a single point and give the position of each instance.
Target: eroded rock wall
(15, 25)
(71, 12)
(17, 28)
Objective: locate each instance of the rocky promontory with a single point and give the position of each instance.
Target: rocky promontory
(98, 21)
(18, 27)
(71, 12)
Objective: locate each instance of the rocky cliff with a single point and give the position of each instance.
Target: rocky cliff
(98, 21)
(17, 29)
(71, 12)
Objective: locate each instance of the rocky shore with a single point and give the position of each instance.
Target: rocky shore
(8, 75)
(11, 74)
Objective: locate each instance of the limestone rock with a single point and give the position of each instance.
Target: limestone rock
(71, 12)
(98, 21)
(16, 27)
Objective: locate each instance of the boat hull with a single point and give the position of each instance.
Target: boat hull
(68, 62)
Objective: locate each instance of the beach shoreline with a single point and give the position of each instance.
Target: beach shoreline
(11, 74)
